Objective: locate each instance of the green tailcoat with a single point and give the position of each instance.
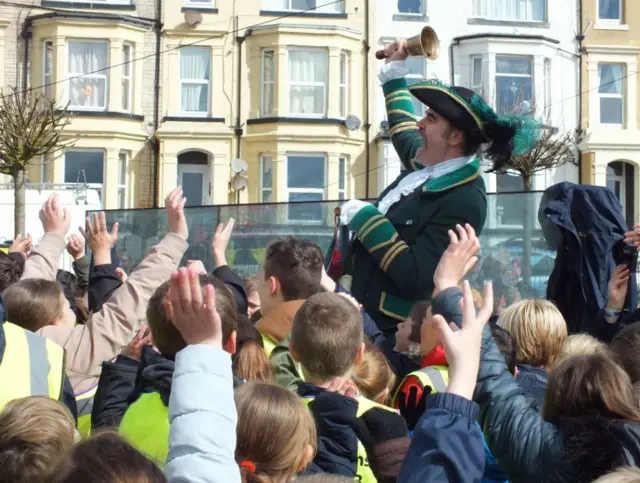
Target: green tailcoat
(395, 255)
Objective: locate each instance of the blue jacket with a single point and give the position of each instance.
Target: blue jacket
(203, 418)
(586, 226)
(447, 445)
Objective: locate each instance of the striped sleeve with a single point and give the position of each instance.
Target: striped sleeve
(378, 235)
(402, 121)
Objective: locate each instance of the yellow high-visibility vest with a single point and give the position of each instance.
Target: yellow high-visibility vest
(434, 377)
(363, 470)
(31, 366)
(268, 343)
(146, 426)
(85, 406)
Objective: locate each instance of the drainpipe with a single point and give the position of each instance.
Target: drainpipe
(580, 130)
(452, 67)
(26, 35)
(155, 144)
(239, 126)
(367, 121)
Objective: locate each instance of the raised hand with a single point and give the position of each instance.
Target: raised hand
(193, 314)
(396, 51)
(174, 204)
(22, 245)
(75, 246)
(133, 350)
(55, 218)
(99, 239)
(633, 237)
(459, 257)
(462, 345)
(617, 287)
(220, 242)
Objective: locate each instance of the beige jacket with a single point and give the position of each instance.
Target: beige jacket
(108, 331)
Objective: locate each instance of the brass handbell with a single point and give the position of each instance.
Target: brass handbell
(426, 44)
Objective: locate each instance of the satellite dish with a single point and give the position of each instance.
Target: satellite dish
(239, 182)
(239, 165)
(192, 18)
(352, 122)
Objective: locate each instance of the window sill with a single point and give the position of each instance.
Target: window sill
(602, 25)
(296, 120)
(199, 9)
(293, 13)
(192, 119)
(408, 17)
(89, 5)
(107, 114)
(509, 23)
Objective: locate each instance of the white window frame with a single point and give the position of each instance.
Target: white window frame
(343, 169)
(96, 186)
(478, 88)
(124, 188)
(615, 21)
(262, 187)
(523, 76)
(263, 111)
(202, 3)
(344, 84)
(103, 74)
(622, 96)
(47, 75)
(290, 191)
(128, 66)
(422, 13)
(196, 82)
(548, 87)
(319, 3)
(308, 84)
(480, 9)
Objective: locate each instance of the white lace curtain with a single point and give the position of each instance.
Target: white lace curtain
(307, 82)
(87, 87)
(195, 67)
(521, 10)
(320, 6)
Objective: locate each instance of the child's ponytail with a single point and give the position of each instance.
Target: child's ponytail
(250, 362)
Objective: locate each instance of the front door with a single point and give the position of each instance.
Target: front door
(195, 182)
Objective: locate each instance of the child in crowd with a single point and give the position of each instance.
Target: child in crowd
(35, 432)
(539, 331)
(250, 362)
(290, 273)
(408, 335)
(327, 340)
(373, 376)
(579, 345)
(626, 349)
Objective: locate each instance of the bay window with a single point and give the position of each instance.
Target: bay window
(320, 6)
(123, 170)
(511, 10)
(88, 63)
(85, 167)
(47, 69)
(195, 74)
(268, 78)
(127, 59)
(266, 179)
(476, 74)
(610, 93)
(342, 178)
(344, 86)
(307, 82)
(514, 84)
(305, 182)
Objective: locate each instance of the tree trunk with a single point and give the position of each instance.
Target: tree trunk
(19, 200)
(527, 232)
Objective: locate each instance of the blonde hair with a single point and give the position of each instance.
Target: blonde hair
(35, 432)
(578, 345)
(538, 329)
(275, 430)
(621, 475)
(373, 376)
(106, 458)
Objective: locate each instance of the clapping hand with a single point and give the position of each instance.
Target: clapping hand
(617, 287)
(174, 204)
(459, 257)
(21, 245)
(193, 314)
(55, 218)
(75, 247)
(99, 239)
(220, 242)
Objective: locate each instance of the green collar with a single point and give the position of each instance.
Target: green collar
(462, 175)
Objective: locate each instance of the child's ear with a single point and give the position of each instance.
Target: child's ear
(307, 457)
(359, 355)
(230, 345)
(274, 286)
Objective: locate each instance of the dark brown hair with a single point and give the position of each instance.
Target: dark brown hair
(592, 383)
(507, 345)
(106, 458)
(33, 303)
(326, 335)
(166, 337)
(297, 264)
(35, 432)
(250, 362)
(626, 349)
(10, 271)
(417, 315)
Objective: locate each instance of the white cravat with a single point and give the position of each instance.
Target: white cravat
(413, 180)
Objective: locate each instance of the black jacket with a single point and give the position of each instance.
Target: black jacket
(586, 226)
(103, 281)
(533, 381)
(530, 449)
